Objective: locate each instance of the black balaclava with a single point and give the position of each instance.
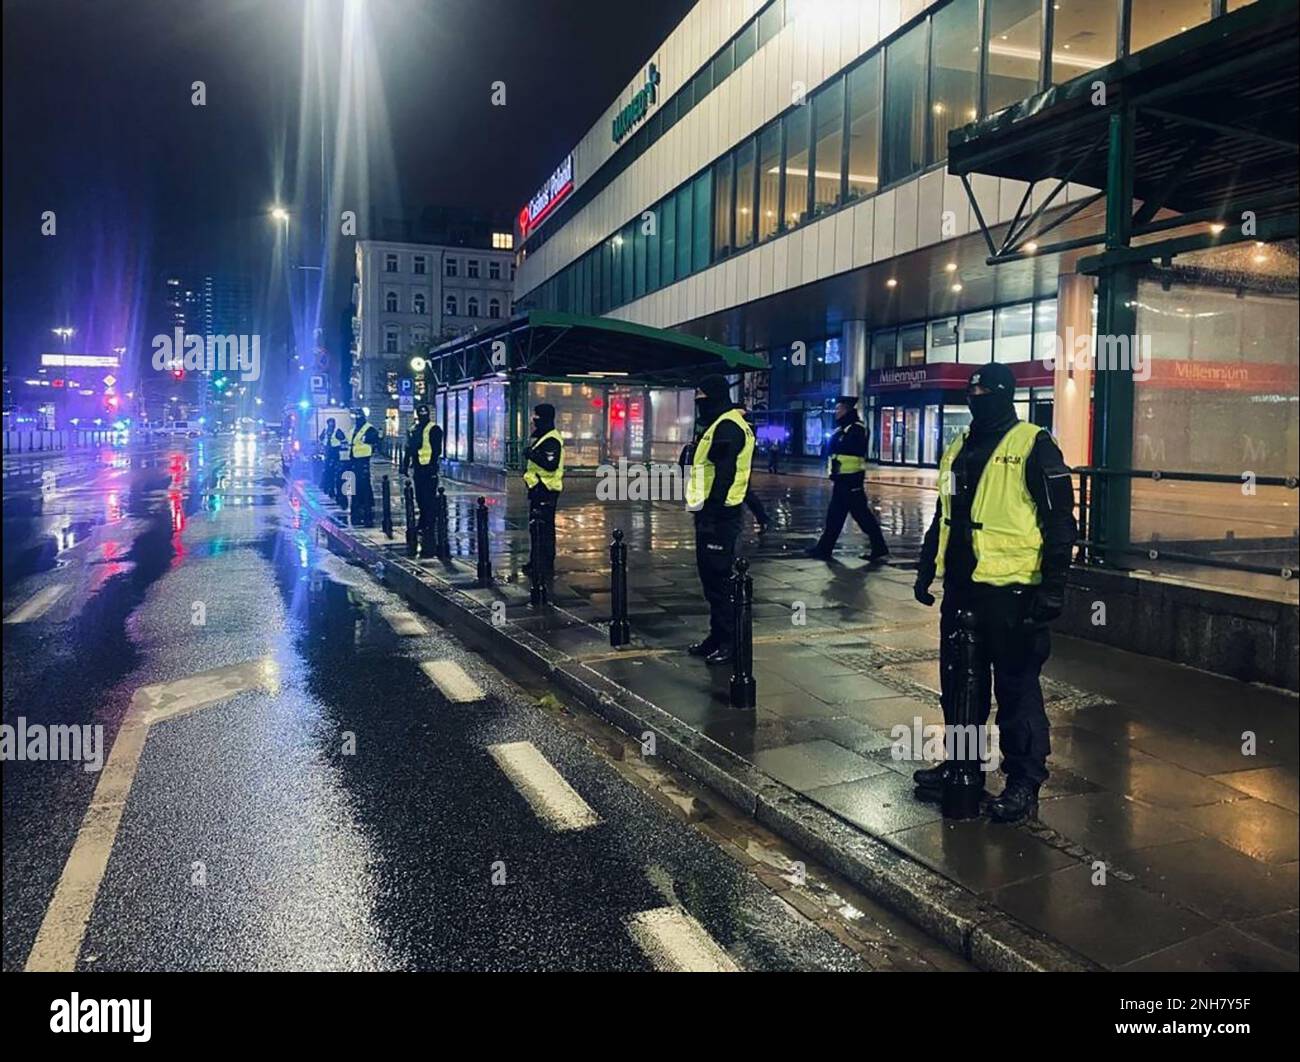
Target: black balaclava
(995, 412)
(716, 400)
(422, 415)
(358, 418)
(852, 414)
(543, 418)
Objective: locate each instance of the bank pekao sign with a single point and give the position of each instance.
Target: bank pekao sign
(630, 115)
(552, 193)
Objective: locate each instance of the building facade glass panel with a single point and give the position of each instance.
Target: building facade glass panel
(864, 128)
(904, 133)
(1013, 45)
(1083, 37)
(954, 72)
(745, 172)
(796, 167)
(828, 147)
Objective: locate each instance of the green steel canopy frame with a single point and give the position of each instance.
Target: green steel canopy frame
(1197, 128)
(543, 345)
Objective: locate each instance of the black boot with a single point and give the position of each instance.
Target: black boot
(877, 556)
(931, 777)
(817, 553)
(721, 656)
(704, 648)
(1019, 801)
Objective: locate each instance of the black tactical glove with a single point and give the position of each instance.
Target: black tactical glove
(921, 591)
(835, 466)
(1048, 602)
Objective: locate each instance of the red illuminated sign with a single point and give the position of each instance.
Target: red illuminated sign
(552, 193)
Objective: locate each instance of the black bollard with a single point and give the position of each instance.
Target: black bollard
(744, 690)
(387, 521)
(408, 507)
(482, 548)
(620, 632)
(441, 531)
(964, 785)
(536, 577)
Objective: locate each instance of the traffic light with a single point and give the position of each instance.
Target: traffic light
(178, 374)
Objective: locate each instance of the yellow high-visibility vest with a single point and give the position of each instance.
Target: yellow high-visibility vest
(1005, 536)
(361, 448)
(424, 455)
(345, 451)
(703, 470)
(849, 463)
(535, 473)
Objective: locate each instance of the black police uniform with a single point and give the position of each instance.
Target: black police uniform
(424, 477)
(331, 440)
(545, 454)
(1011, 620)
(363, 494)
(848, 491)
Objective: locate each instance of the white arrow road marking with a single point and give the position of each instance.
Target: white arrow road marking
(555, 801)
(37, 605)
(451, 679)
(403, 622)
(676, 943)
(58, 941)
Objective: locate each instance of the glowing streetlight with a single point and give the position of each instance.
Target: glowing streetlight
(278, 213)
(418, 364)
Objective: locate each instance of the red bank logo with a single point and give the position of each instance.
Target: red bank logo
(551, 195)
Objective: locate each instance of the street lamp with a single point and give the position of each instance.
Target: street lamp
(278, 213)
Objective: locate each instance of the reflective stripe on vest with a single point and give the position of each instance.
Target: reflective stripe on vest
(535, 473)
(700, 483)
(1005, 536)
(361, 448)
(849, 463)
(424, 455)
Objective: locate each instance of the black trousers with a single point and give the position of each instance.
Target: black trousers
(849, 498)
(716, 531)
(755, 505)
(363, 495)
(541, 529)
(328, 474)
(425, 481)
(1014, 651)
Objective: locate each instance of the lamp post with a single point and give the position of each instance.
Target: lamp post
(64, 334)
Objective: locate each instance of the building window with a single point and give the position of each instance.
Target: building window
(702, 201)
(904, 141)
(770, 21)
(494, 308)
(1014, 47)
(391, 339)
(1153, 21)
(390, 302)
(390, 263)
(722, 177)
(471, 268)
(954, 73)
(494, 270)
(943, 341)
(746, 42)
(1045, 341)
(451, 267)
(512, 271)
(883, 349)
(419, 264)
(418, 304)
(864, 128)
(745, 168)
(796, 167)
(1014, 333)
(471, 306)
(450, 306)
(828, 147)
(975, 338)
(503, 241)
(668, 240)
(1083, 37)
(685, 213)
(769, 181)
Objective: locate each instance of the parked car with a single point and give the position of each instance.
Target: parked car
(178, 429)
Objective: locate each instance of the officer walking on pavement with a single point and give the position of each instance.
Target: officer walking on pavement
(420, 461)
(846, 464)
(715, 493)
(1001, 539)
(364, 439)
(544, 478)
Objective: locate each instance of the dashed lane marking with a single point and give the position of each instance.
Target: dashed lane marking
(58, 941)
(37, 605)
(404, 622)
(555, 802)
(451, 679)
(675, 942)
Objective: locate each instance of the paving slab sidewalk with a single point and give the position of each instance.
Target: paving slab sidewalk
(1167, 833)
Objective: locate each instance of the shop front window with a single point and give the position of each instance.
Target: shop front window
(911, 346)
(932, 420)
(943, 342)
(975, 332)
(883, 347)
(579, 416)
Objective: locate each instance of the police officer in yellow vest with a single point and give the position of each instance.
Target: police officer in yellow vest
(715, 493)
(846, 464)
(544, 478)
(1001, 539)
(361, 445)
(420, 461)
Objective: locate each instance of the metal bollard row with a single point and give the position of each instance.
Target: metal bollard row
(482, 546)
(408, 505)
(387, 520)
(620, 632)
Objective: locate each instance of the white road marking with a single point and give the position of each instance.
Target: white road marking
(37, 605)
(555, 801)
(450, 677)
(403, 622)
(676, 943)
(58, 941)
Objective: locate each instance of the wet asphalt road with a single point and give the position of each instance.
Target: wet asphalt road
(341, 815)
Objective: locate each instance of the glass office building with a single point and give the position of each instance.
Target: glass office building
(775, 180)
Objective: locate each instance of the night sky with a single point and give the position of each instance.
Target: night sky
(99, 128)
